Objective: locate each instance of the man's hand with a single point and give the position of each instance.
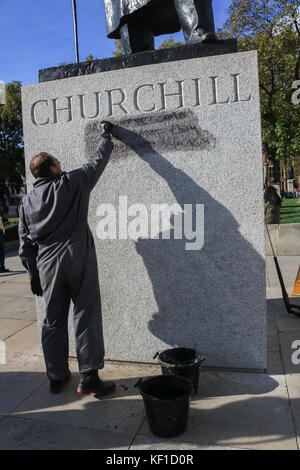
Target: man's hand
(106, 128)
(36, 286)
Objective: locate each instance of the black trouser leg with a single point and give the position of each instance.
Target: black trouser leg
(196, 18)
(136, 38)
(55, 339)
(87, 319)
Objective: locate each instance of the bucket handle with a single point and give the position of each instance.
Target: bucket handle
(161, 362)
(199, 359)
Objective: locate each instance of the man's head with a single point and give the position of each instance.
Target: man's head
(44, 165)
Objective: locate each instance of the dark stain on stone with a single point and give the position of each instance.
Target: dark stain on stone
(164, 131)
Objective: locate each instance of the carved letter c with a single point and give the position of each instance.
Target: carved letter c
(33, 113)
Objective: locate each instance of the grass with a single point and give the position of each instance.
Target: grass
(290, 211)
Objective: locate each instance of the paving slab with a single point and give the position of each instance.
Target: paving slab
(9, 327)
(27, 434)
(12, 260)
(19, 308)
(14, 289)
(289, 352)
(3, 300)
(274, 364)
(274, 292)
(288, 324)
(26, 341)
(293, 384)
(123, 411)
(240, 410)
(157, 443)
(289, 266)
(19, 377)
(272, 337)
(18, 276)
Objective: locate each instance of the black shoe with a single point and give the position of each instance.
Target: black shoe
(4, 270)
(56, 386)
(90, 383)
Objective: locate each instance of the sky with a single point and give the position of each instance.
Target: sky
(36, 34)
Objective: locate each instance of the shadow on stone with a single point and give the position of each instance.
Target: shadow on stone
(202, 294)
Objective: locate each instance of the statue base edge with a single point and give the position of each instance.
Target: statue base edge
(157, 56)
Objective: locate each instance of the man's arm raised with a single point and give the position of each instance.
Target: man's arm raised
(97, 163)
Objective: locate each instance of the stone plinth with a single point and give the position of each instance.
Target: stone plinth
(192, 138)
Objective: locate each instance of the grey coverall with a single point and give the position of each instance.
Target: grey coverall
(56, 243)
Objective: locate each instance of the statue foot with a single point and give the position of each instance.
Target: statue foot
(203, 37)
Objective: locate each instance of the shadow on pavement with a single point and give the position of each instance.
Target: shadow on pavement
(12, 273)
(283, 331)
(240, 422)
(11, 254)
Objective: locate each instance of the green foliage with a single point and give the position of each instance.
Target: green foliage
(90, 58)
(165, 45)
(119, 49)
(168, 43)
(11, 139)
(272, 27)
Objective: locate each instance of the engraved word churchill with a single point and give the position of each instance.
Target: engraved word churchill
(145, 98)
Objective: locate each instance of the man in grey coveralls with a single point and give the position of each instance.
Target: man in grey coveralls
(57, 249)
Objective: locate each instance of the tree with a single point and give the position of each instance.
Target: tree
(165, 45)
(272, 27)
(90, 58)
(168, 43)
(11, 139)
(119, 48)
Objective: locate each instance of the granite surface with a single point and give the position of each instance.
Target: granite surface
(189, 133)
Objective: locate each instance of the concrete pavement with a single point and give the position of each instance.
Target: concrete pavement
(231, 410)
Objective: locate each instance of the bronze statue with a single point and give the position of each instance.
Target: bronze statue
(136, 22)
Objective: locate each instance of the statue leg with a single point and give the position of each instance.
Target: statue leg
(197, 20)
(136, 39)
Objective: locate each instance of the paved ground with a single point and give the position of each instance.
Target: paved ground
(230, 410)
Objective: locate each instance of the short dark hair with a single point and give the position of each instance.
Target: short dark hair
(40, 165)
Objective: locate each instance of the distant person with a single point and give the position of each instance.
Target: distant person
(272, 203)
(2, 250)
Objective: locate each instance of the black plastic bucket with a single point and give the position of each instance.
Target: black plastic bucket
(167, 403)
(183, 362)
